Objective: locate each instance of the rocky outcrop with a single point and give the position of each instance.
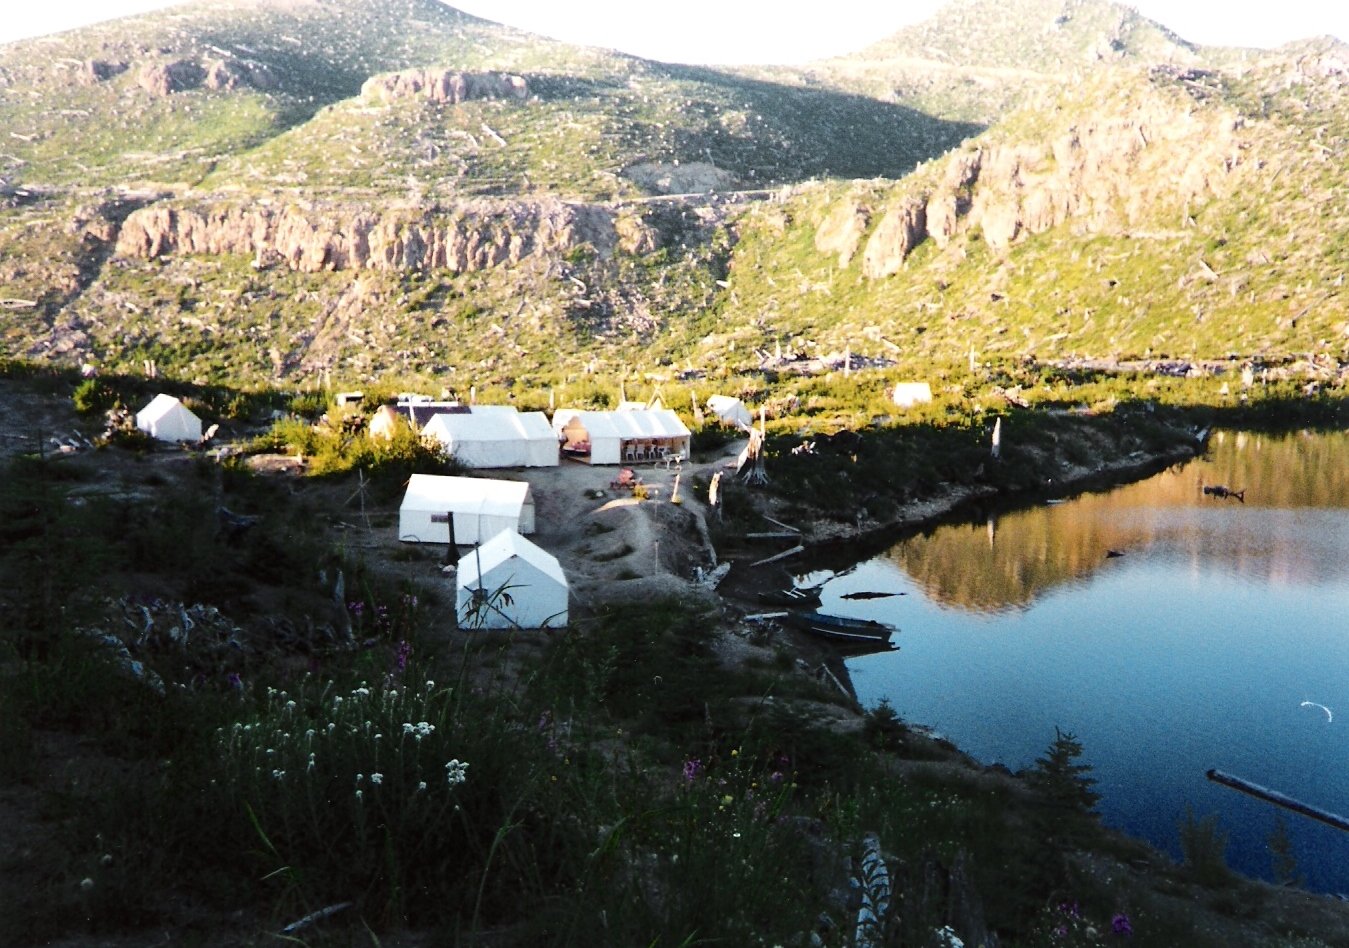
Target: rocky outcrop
(444, 86)
(901, 229)
(473, 235)
(223, 75)
(181, 75)
(99, 70)
(161, 79)
(691, 177)
(1107, 173)
(842, 229)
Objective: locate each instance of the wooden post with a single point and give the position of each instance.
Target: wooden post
(714, 494)
(674, 494)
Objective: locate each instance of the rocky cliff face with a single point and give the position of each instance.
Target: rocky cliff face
(473, 235)
(1103, 173)
(446, 86)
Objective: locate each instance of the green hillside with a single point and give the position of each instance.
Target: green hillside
(263, 192)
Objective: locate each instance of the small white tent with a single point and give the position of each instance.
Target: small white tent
(730, 410)
(476, 506)
(908, 394)
(495, 436)
(167, 419)
(616, 437)
(507, 583)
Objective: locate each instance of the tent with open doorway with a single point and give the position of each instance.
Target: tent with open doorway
(509, 582)
(495, 436)
(621, 437)
(168, 419)
(477, 508)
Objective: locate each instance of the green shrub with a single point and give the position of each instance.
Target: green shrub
(92, 396)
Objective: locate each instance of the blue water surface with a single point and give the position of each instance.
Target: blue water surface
(1195, 648)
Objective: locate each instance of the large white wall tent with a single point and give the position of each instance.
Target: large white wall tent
(478, 508)
(618, 437)
(496, 436)
(167, 419)
(534, 586)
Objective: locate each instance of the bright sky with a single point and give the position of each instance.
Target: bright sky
(739, 31)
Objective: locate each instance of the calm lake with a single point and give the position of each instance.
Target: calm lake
(1200, 647)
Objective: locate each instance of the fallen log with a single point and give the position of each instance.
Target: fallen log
(780, 556)
(1279, 799)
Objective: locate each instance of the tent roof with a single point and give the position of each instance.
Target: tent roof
(491, 425)
(502, 547)
(466, 494)
(729, 408)
(159, 407)
(631, 423)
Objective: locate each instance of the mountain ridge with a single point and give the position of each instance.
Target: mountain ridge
(1207, 178)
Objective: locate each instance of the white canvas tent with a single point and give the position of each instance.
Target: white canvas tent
(167, 419)
(617, 437)
(476, 506)
(534, 586)
(730, 410)
(908, 394)
(496, 436)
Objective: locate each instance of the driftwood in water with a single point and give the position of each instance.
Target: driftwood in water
(780, 556)
(869, 595)
(1279, 799)
(785, 526)
(774, 535)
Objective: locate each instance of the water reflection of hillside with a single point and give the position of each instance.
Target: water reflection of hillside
(1277, 535)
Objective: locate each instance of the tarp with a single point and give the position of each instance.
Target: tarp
(509, 582)
(168, 419)
(618, 437)
(478, 507)
(496, 436)
(730, 410)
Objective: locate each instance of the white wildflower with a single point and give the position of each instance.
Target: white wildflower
(278, 774)
(377, 779)
(360, 777)
(311, 762)
(359, 796)
(290, 705)
(456, 772)
(421, 786)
